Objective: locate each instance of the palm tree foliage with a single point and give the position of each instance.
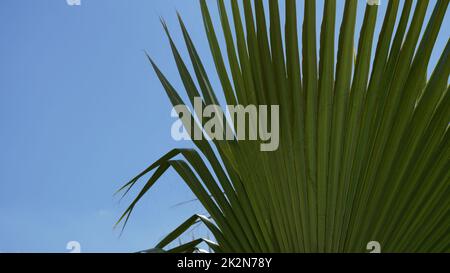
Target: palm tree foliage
(364, 149)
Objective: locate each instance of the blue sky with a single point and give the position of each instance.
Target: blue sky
(81, 112)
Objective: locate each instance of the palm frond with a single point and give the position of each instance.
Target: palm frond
(364, 148)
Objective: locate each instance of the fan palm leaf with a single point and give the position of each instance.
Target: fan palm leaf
(364, 151)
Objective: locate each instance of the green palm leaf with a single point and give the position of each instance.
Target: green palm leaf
(364, 150)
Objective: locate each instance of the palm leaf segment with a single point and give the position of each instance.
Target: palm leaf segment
(364, 148)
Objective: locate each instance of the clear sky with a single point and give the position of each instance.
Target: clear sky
(81, 112)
